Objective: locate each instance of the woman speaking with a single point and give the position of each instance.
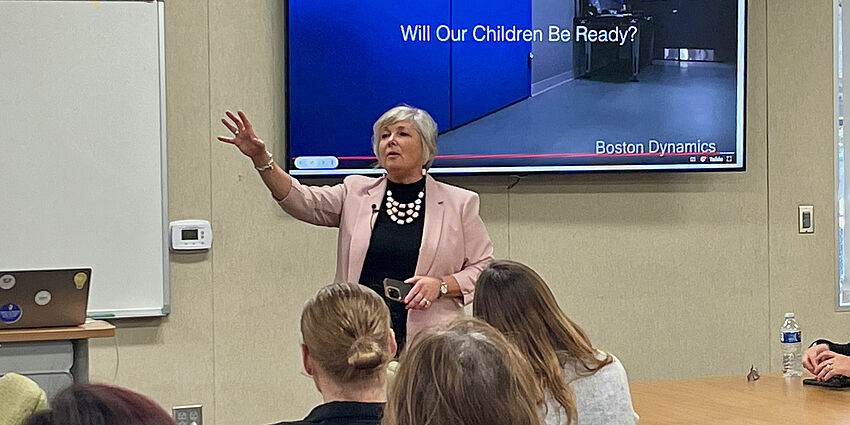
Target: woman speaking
(403, 225)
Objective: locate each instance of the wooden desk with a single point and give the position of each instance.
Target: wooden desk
(732, 400)
(37, 352)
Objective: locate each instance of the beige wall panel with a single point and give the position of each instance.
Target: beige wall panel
(801, 162)
(657, 274)
(171, 359)
(268, 267)
(265, 263)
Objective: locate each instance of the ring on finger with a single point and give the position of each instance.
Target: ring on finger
(829, 366)
(427, 302)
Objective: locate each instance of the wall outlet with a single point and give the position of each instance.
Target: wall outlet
(187, 415)
(805, 218)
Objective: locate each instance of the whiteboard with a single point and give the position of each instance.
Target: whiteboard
(82, 147)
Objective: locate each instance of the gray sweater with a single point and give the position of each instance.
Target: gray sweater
(601, 398)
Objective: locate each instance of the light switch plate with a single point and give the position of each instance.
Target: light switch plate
(187, 415)
(806, 218)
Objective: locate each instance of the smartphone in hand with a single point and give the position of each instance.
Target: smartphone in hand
(396, 290)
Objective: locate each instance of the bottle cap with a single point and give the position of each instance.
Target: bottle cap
(789, 315)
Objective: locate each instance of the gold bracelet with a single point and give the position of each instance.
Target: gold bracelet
(268, 166)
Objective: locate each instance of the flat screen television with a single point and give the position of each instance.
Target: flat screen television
(518, 86)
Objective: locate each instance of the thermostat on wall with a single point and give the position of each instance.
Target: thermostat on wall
(190, 235)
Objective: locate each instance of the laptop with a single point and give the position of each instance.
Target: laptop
(43, 298)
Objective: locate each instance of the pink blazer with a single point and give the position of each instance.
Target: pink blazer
(454, 239)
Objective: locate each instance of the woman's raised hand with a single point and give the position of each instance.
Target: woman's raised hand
(244, 137)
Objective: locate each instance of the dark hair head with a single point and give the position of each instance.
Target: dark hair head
(99, 404)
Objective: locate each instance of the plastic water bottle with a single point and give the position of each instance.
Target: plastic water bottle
(792, 348)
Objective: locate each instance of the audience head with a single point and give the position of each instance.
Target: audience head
(514, 299)
(347, 336)
(466, 374)
(98, 404)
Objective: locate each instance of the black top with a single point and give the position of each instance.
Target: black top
(843, 349)
(343, 413)
(394, 251)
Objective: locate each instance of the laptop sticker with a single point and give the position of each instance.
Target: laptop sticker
(10, 313)
(7, 281)
(80, 280)
(43, 297)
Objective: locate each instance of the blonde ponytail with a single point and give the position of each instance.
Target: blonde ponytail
(346, 330)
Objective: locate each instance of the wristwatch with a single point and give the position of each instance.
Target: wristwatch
(444, 288)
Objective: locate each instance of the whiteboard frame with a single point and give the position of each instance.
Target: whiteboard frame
(166, 287)
(166, 308)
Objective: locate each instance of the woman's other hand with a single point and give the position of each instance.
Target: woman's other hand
(425, 290)
(810, 356)
(830, 364)
(244, 137)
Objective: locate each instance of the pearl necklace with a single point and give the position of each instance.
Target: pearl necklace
(403, 213)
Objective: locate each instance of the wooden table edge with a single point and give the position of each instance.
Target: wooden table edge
(90, 329)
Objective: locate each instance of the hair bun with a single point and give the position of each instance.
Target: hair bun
(365, 354)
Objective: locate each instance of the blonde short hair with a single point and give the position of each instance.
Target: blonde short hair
(346, 328)
(467, 374)
(422, 121)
